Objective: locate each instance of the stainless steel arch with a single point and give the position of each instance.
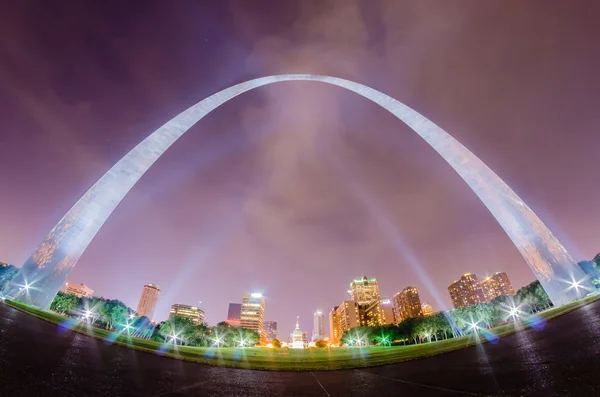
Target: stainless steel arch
(47, 269)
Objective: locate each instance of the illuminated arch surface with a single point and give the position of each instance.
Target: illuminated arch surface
(48, 267)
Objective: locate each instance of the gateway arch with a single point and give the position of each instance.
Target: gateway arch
(47, 269)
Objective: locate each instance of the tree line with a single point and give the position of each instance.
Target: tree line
(453, 323)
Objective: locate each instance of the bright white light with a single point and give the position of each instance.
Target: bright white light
(474, 326)
(242, 343)
(174, 338)
(256, 295)
(88, 313)
(217, 342)
(131, 316)
(26, 287)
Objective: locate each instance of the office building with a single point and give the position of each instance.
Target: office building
(334, 331)
(79, 290)
(490, 288)
(346, 317)
(253, 312)
(194, 313)
(407, 304)
(364, 291)
(234, 314)
(318, 326)
(148, 301)
(270, 330)
(387, 308)
(466, 291)
(504, 284)
(371, 315)
(426, 309)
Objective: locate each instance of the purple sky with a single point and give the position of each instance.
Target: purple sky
(248, 200)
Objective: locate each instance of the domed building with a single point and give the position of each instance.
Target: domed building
(297, 339)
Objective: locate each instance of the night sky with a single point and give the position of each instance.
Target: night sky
(251, 199)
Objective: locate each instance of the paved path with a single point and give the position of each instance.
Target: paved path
(562, 360)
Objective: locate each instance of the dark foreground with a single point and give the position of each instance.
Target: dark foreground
(562, 359)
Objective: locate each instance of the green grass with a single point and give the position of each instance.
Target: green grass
(292, 360)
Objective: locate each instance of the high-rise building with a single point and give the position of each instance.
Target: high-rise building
(364, 291)
(466, 291)
(427, 309)
(346, 317)
(318, 326)
(234, 314)
(148, 300)
(253, 312)
(371, 315)
(305, 337)
(490, 288)
(387, 307)
(193, 313)
(79, 290)
(504, 284)
(270, 330)
(334, 331)
(407, 304)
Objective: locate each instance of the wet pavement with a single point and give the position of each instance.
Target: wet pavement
(563, 359)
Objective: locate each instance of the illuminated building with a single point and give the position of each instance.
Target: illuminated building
(387, 307)
(426, 309)
(193, 313)
(364, 291)
(318, 326)
(234, 314)
(504, 284)
(305, 338)
(346, 317)
(407, 304)
(252, 312)
(298, 336)
(466, 291)
(148, 300)
(334, 330)
(371, 315)
(490, 288)
(42, 275)
(79, 290)
(270, 330)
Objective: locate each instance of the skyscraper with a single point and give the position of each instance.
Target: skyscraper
(490, 288)
(270, 330)
(504, 284)
(193, 313)
(371, 315)
(318, 326)
(346, 317)
(426, 309)
(234, 314)
(148, 300)
(334, 331)
(253, 312)
(387, 307)
(407, 304)
(466, 291)
(364, 291)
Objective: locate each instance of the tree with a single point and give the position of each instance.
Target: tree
(64, 303)
(321, 344)
(276, 343)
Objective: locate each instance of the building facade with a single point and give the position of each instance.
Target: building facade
(297, 337)
(194, 313)
(371, 315)
(253, 312)
(270, 330)
(234, 314)
(426, 309)
(407, 304)
(318, 326)
(334, 330)
(504, 284)
(79, 290)
(387, 307)
(466, 291)
(490, 288)
(364, 291)
(346, 317)
(148, 301)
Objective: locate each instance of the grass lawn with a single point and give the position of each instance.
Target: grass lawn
(284, 359)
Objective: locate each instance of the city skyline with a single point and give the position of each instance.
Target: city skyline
(63, 133)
